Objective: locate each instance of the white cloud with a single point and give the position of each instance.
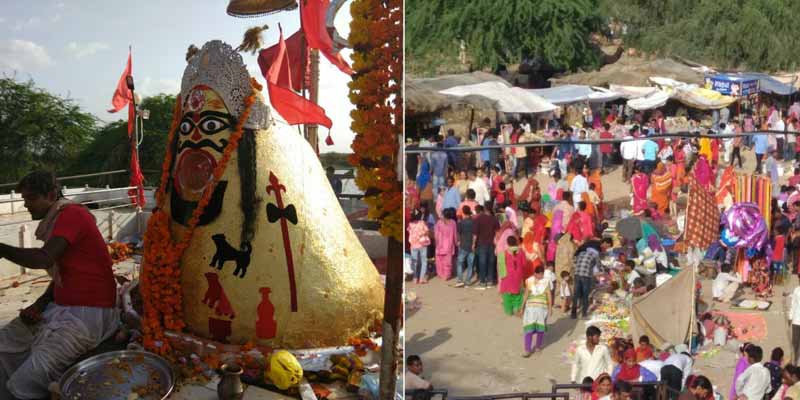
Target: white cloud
(2, 20)
(55, 18)
(22, 55)
(150, 87)
(87, 49)
(28, 23)
(60, 5)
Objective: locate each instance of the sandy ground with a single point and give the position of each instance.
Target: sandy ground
(470, 347)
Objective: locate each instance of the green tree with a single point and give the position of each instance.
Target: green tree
(38, 130)
(498, 32)
(738, 34)
(110, 148)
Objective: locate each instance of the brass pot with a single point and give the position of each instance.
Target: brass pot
(230, 386)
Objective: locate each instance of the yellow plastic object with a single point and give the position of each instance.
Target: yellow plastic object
(284, 370)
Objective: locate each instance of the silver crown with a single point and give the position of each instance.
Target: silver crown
(218, 66)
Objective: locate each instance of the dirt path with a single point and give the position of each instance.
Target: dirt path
(470, 347)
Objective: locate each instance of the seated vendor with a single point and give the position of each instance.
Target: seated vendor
(76, 313)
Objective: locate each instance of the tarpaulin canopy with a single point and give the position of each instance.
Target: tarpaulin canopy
(665, 314)
(509, 100)
(654, 100)
(770, 85)
(702, 99)
(575, 93)
(632, 92)
(422, 94)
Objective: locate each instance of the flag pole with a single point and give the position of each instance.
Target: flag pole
(310, 130)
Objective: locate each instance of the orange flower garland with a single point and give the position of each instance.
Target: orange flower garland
(376, 36)
(161, 274)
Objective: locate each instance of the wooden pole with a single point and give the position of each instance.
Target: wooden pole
(392, 320)
(312, 133)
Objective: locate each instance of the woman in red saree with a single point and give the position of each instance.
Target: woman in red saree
(662, 188)
(639, 182)
(702, 172)
(532, 194)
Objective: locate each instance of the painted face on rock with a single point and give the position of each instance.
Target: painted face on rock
(204, 131)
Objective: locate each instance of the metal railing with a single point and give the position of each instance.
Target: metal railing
(640, 389)
(424, 394)
(66, 178)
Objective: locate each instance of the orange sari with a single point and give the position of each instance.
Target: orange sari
(661, 191)
(594, 177)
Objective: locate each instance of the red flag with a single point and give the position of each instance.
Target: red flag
(137, 180)
(312, 16)
(295, 109)
(298, 58)
(124, 96)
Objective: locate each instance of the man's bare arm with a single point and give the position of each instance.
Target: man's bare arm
(41, 258)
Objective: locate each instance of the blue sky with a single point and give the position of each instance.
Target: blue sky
(78, 49)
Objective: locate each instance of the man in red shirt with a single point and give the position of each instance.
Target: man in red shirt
(606, 148)
(78, 310)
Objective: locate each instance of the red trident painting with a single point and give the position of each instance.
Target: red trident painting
(280, 213)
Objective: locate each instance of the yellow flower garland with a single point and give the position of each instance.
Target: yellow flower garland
(376, 90)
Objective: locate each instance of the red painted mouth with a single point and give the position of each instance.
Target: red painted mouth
(194, 172)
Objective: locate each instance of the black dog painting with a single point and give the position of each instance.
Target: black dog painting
(225, 252)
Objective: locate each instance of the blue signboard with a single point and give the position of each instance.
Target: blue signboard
(732, 85)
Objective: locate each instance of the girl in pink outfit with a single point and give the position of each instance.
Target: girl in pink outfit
(445, 233)
(418, 241)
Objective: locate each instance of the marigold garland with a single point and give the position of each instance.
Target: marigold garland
(161, 274)
(376, 33)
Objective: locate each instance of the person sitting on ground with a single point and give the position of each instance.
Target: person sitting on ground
(725, 285)
(754, 383)
(700, 388)
(630, 371)
(774, 367)
(630, 274)
(413, 375)
(645, 349)
(639, 288)
(78, 310)
(791, 384)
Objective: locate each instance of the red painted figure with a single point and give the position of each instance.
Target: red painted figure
(215, 297)
(277, 188)
(266, 326)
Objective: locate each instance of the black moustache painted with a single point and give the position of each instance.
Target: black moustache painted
(203, 143)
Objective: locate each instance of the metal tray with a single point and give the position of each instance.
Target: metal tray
(106, 376)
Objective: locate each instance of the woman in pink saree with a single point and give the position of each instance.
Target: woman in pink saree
(640, 182)
(445, 232)
(702, 172)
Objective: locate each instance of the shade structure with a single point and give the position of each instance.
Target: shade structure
(567, 94)
(665, 314)
(258, 8)
(509, 99)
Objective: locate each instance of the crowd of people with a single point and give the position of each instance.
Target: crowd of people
(483, 220)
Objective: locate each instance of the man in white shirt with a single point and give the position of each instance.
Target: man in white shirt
(591, 358)
(725, 285)
(678, 364)
(413, 378)
(654, 366)
(578, 187)
(754, 382)
(479, 186)
(794, 317)
(628, 152)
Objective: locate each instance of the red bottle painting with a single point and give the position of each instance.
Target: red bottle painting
(266, 326)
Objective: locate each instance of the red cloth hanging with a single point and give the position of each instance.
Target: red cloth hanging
(295, 109)
(298, 59)
(312, 14)
(137, 180)
(124, 96)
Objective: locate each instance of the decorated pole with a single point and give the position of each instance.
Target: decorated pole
(313, 135)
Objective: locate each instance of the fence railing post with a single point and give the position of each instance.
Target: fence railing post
(111, 225)
(24, 242)
(12, 202)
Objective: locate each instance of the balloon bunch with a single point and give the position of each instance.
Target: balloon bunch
(745, 227)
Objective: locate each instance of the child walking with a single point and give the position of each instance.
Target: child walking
(537, 308)
(418, 240)
(565, 291)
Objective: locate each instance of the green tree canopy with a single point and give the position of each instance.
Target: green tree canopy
(758, 35)
(38, 130)
(499, 32)
(110, 148)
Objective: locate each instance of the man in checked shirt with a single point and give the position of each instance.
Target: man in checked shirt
(586, 265)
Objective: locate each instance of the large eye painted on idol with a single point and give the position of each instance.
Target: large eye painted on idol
(186, 126)
(211, 125)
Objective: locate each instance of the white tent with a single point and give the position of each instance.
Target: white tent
(509, 99)
(653, 100)
(575, 93)
(632, 92)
